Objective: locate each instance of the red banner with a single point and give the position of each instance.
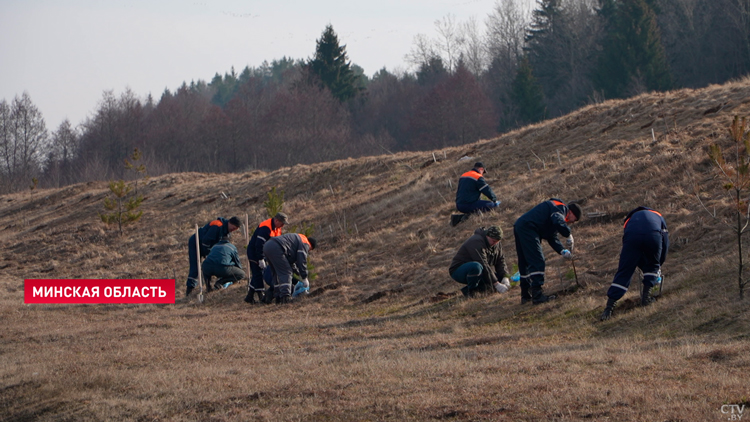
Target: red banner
(98, 291)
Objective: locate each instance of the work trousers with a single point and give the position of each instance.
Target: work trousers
(644, 251)
(259, 276)
(282, 273)
(224, 274)
(531, 263)
(474, 207)
(469, 274)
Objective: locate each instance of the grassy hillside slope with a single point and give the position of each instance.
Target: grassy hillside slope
(384, 334)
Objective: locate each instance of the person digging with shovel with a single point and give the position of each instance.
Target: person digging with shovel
(645, 242)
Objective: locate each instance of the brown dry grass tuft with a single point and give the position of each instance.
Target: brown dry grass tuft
(384, 336)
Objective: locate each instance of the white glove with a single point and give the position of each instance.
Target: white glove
(506, 282)
(569, 242)
(306, 283)
(566, 254)
(497, 203)
(262, 264)
(500, 287)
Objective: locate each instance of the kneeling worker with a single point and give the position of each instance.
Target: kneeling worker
(645, 242)
(471, 186)
(209, 235)
(223, 262)
(480, 263)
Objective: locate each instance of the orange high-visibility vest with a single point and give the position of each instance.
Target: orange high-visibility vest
(304, 240)
(473, 174)
(268, 223)
(626, 221)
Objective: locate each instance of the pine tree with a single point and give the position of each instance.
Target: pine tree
(332, 67)
(633, 57)
(527, 94)
(124, 207)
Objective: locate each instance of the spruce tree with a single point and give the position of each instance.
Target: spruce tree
(527, 94)
(632, 56)
(332, 67)
(543, 39)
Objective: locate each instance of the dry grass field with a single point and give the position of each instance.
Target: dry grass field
(385, 334)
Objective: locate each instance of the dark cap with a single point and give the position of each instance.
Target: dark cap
(282, 217)
(494, 232)
(235, 222)
(479, 164)
(313, 242)
(576, 210)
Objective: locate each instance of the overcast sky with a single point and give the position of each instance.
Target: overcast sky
(65, 53)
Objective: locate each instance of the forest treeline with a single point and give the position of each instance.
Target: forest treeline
(468, 83)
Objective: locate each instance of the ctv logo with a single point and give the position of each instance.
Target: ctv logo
(734, 411)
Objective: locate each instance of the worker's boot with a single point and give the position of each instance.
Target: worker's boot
(646, 298)
(525, 295)
(283, 299)
(250, 297)
(607, 314)
(537, 296)
(268, 296)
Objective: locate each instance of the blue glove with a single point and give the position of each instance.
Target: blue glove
(497, 203)
(300, 288)
(516, 276)
(566, 254)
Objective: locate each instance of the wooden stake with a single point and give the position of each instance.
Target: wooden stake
(247, 222)
(198, 257)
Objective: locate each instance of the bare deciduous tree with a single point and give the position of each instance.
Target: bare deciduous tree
(61, 153)
(422, 51)
(23, 135)
(473, 48)
(506, 28)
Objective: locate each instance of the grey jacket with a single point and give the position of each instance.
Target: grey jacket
(295, 251)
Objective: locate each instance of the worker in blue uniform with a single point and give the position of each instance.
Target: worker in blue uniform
(471, 186)
(544, 221)
(209, 235)
(645, 242)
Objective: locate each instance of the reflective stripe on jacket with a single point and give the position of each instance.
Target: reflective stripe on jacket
(262, 233)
